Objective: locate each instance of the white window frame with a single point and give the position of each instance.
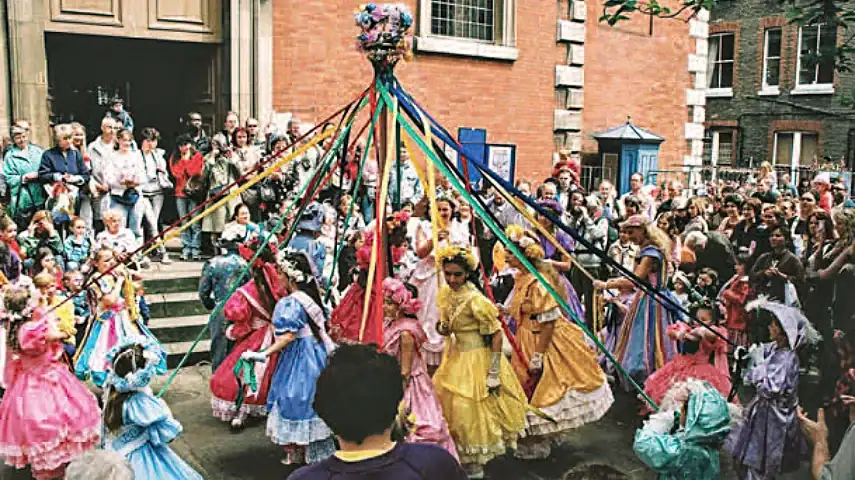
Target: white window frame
(719, 91)
(795, 157)
(504, 47)
(716, 145)
(810, 88)
(766, 89)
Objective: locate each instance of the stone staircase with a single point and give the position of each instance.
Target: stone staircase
(177, 314)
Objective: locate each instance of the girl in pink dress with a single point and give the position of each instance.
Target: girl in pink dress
(47, 417)
(703, 356)
(249, 311)
(403, 336)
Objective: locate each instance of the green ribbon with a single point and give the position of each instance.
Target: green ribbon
(271, 234)
(500, 234)
(245, 375)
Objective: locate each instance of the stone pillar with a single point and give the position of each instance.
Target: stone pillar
(241, 57)
(263, 78)
(5, 101)
(28, 62)
(570, 79)
(696, 98)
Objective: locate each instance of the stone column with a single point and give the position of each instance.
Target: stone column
(570, 79)
(5, 101)
(241, 42)
(263, 78)
(28, 62)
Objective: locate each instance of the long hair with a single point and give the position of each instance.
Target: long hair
(15, 301)
(114, 406)
(309, 286)
(660, 240)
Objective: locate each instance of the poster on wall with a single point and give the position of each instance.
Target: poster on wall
(501, 159)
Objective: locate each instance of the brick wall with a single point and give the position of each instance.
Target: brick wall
(757, 117)
(629, 72)
(316, 70)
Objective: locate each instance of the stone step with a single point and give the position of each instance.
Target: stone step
(174, 284)
(175, 352)
(177, 329)
(178, 304)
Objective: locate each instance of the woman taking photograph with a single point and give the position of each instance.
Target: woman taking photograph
(186, 165)
(219, 173)
(246, 159)
(155, 182)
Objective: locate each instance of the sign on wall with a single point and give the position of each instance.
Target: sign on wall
(502, 159)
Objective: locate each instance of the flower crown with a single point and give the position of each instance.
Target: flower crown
(248, 250)
(138, 378)
(284, 260)
(451, 252)
(526, 241)
(396, 291)
(385, 29)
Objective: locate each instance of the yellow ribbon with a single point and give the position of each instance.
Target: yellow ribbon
(391, 116)
(246, 186)
(434, 209)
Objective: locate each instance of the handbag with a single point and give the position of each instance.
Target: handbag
(195, 188)
(128, 198)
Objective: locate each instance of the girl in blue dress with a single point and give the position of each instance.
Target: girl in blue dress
(140, 425)
(298, 322)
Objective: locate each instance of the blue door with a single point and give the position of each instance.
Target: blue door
(648, 160)
(628, 166)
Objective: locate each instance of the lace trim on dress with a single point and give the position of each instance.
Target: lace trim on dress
(54, 454)
(283, 431)
(226, 410)
(572, 411)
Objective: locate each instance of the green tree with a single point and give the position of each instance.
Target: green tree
(803, 12)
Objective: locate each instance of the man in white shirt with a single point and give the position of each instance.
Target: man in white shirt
(96, 199)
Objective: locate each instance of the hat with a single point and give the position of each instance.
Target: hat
(312, 218)
(639, 221)
(232, 236)
(796, 326)
(823, 178)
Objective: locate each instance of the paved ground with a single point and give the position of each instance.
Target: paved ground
(602, 451)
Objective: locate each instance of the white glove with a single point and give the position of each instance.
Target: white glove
(253, 356)
(536, 362)
(660, 423)
(755, 352)
(493, 381)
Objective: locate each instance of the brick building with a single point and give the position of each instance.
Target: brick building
(543, 78)
(766, 99)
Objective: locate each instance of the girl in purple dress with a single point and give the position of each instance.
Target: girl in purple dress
(769, 441)
(403, 337)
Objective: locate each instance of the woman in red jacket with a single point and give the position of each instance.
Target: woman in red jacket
(186, 166)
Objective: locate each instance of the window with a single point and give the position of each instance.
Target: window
(795, 150)
(472, 20)
(720, 68)
(772, 59)
(718, 147)
(480, 28)
(817, 49)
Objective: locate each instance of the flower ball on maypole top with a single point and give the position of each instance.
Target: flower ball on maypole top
(385, 37)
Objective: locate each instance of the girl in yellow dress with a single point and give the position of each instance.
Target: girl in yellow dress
(563, 376)
(481, 398)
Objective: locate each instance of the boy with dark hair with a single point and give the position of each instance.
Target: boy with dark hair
(357, 395)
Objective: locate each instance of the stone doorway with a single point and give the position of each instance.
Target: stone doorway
(160, 81)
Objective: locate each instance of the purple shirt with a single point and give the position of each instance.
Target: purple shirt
(407, 461)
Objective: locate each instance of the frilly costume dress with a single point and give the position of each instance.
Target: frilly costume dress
(144, 439)
(47, 416)
(572, 388)
(419, 395)
(424, 278)
(251, 327)
(483, 425)
(692, 451)
(291, 420)
(643, 347)
(696, 365)
(110, 327)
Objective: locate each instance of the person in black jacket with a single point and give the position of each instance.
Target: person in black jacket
(744, 236)
(63, 164)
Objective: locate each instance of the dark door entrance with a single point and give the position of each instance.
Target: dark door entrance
(160, 81)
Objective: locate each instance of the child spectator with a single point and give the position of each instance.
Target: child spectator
(78, 246)
(46, 262)
(734, 294)
(73, 283)
(115, 236)
(45, 283)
